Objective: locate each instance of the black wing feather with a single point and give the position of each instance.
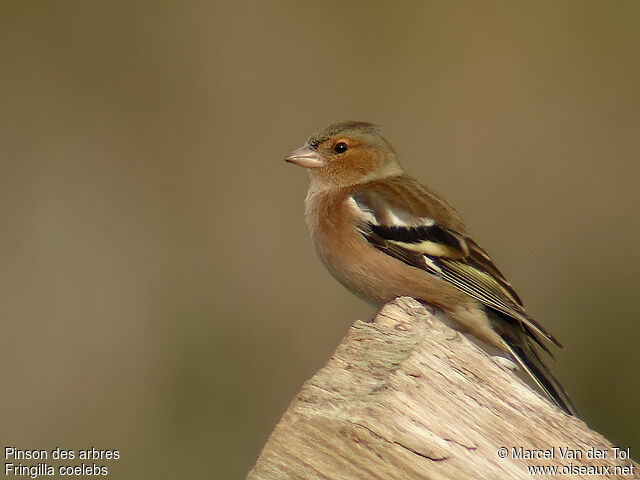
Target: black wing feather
(421, 242)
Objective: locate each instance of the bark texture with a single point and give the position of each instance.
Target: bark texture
(406, 397)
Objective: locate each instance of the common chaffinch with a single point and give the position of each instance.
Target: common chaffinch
(384, 235)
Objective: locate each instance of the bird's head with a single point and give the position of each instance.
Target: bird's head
(345, 154)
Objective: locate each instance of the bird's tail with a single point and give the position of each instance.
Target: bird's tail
(525, 354)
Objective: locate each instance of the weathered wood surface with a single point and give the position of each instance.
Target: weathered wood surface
(406, 397)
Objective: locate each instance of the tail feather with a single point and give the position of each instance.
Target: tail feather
(526, 356)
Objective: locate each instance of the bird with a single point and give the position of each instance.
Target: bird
(384, 235)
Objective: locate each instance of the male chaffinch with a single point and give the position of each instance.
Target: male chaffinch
(384, 235)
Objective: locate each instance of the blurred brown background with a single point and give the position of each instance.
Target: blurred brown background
(159, 293)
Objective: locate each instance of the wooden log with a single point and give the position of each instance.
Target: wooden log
(406, 397)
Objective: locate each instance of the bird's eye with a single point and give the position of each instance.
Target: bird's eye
(340, 147)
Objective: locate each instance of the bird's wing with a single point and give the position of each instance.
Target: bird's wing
(398, 229)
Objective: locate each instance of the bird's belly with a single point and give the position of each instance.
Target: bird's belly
(370, 273)
(379, 278)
